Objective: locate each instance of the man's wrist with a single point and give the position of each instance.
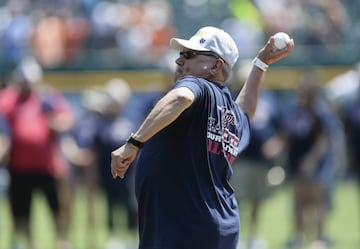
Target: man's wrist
(260, 64)
(134, 141)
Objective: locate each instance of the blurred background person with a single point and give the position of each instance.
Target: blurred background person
(4, 175)
(351, 120)
(36, 114)
(250, 177)
(311, 130)
(102, 129)
(352, 129)
(344, 92)
(81, 158)
(5, 144)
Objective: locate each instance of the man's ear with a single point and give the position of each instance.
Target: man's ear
(218, 65)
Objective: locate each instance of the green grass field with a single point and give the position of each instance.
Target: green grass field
(343, 226)
(275, 227)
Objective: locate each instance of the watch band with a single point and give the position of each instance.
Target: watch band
(133, 141)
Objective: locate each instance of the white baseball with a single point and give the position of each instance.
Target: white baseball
(281, 40)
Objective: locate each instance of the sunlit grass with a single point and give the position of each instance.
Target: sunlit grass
(276, 218)
(83, 233)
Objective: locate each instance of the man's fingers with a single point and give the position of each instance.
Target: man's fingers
(119, 169)
(113, 173)
(118, 174)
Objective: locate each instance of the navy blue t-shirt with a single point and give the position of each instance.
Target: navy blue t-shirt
(182, 176)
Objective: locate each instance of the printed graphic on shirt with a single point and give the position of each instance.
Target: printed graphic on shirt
(220, 137)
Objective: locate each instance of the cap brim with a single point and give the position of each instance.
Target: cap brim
(181, 44)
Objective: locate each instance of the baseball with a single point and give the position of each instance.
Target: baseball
(281, 40)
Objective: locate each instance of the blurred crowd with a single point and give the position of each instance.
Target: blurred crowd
(123, 33)
(59, 33)
(312, 132)
(308, 137)
(46, 146)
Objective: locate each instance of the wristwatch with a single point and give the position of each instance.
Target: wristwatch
(260, 64)
(133, 141)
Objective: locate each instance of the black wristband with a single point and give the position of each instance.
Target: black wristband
(133, 141)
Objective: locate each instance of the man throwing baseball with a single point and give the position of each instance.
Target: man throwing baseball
(189, 141)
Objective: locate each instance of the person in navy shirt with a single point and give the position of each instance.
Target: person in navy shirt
(189, 140)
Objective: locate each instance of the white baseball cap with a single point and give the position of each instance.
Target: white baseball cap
(210, 39)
